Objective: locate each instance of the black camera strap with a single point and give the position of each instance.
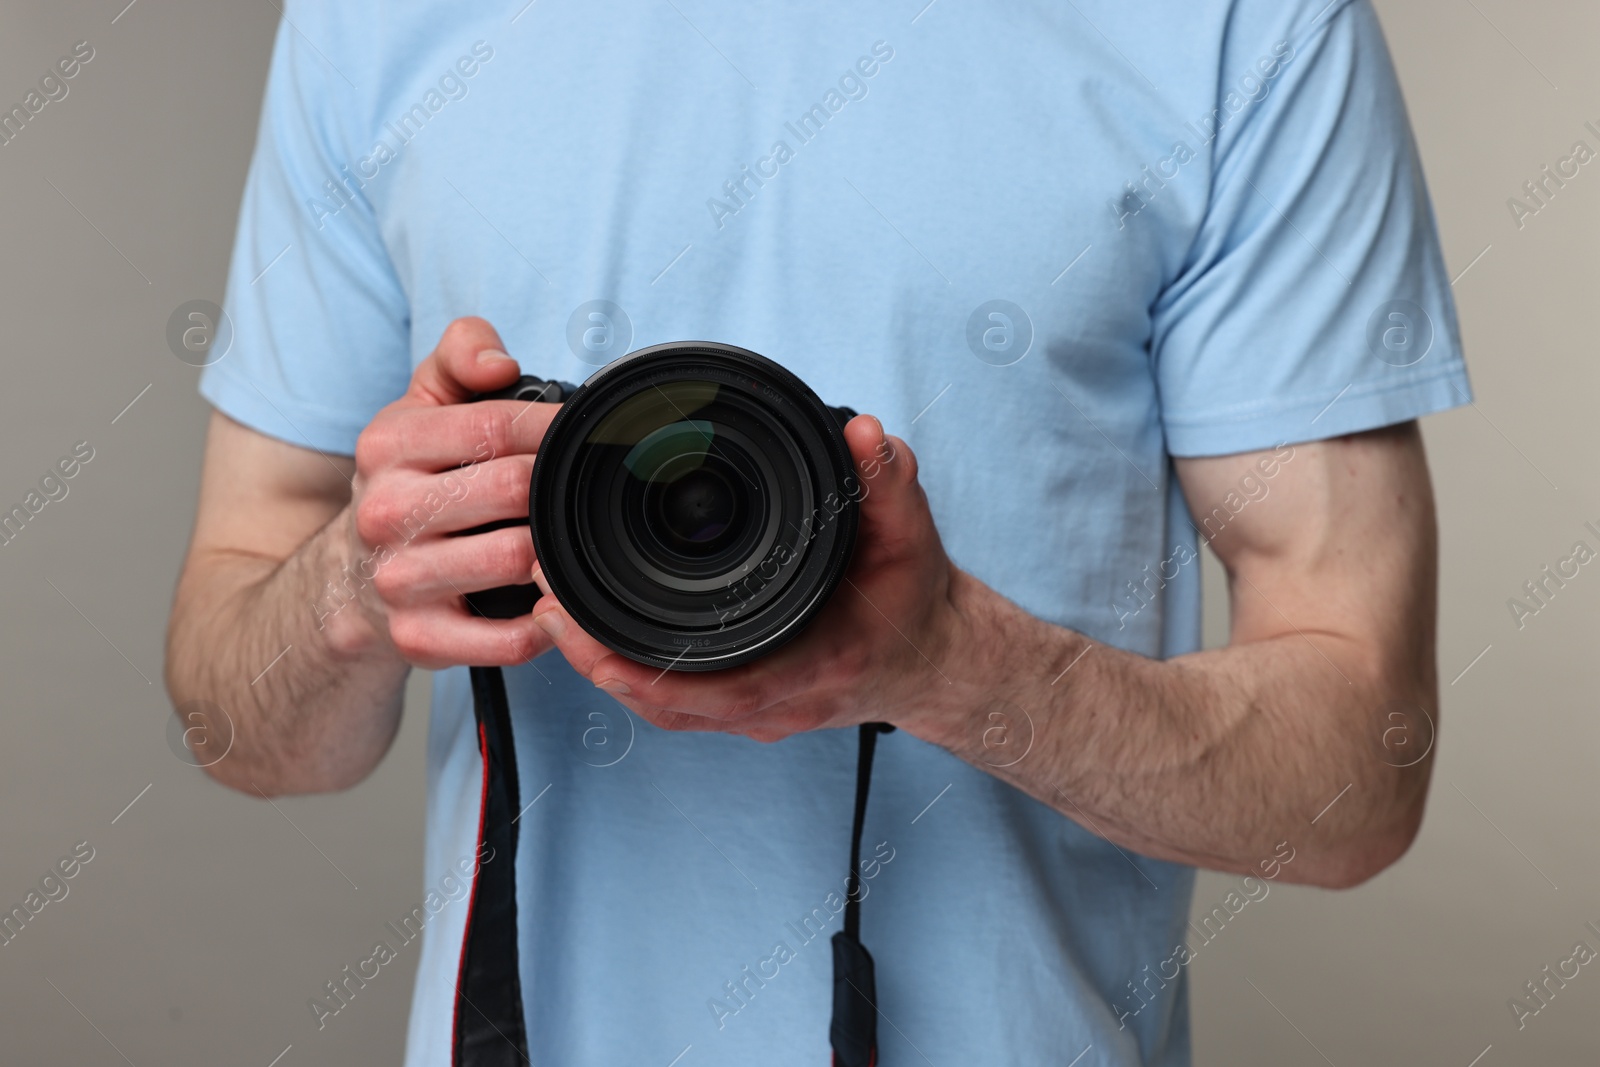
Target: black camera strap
(489, 1029)
(853, 1033)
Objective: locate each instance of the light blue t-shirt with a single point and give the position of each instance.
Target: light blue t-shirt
(1051, 244)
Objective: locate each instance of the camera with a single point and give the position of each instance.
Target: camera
(693, 505)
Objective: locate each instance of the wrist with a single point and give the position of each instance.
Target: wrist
(343, 601)
(980, 634)
(1009, 674)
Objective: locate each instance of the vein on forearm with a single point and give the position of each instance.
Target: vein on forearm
(1210, 758)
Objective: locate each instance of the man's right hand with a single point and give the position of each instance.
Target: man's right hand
(314, 581)
(429, 466)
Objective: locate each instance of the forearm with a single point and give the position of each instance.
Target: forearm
(1215, 758)
(310, 686)
(1211, 758)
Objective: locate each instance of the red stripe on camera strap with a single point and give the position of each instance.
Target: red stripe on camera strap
(873, 1062)
(488, 1029)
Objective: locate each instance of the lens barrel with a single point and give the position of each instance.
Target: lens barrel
(694, 505)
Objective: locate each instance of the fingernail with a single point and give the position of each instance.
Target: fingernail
(492, 355)
(615, 686)
(550, 622)
(538, 579)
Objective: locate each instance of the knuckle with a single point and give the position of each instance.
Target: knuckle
(900, 455)
(522, 543)
(491, 429)
(911, 464)
(510, 554)
(410, 639)
(374, 447)
(372, 518)
(509, 484)
(393, 514)
(523, 642)
(392, 581)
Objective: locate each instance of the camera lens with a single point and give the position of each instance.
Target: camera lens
(694, 505)
(696, 508)
(686, 502)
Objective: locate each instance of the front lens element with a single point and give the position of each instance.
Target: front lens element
(690, 510)
(689, 486)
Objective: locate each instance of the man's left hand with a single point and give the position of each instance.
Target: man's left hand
(873, 654)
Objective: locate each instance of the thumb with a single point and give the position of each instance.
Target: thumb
(469, 359)
(894, 508)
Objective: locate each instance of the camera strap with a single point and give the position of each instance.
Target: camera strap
(489, 1029)
(853, 1033)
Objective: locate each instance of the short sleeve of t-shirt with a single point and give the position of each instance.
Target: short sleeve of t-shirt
(320, 321)
(1314, 301)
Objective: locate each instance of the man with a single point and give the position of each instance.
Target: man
(1115, 277)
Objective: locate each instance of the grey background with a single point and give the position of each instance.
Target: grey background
(207, 918)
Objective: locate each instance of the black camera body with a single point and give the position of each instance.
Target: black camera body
(693, 505)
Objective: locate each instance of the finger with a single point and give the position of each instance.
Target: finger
(448, 636)
(441, 569)
(469, 359)
(477, 494)
(405, 507)
(726, 695)
(893, 505)
(437, 439)
(772, 724)
(886, 465)
(677, 721)
(584, 653)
